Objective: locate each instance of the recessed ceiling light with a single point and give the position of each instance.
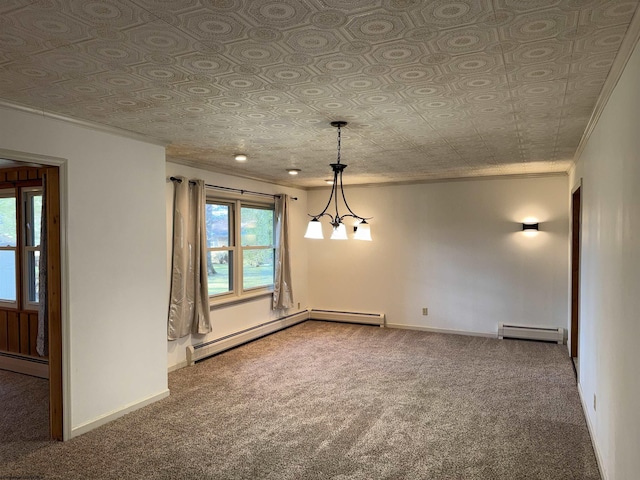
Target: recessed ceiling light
(329, 181)
(241, 157)
(293, 171)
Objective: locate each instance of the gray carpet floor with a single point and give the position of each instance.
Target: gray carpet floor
(336, 401)
(24, 415)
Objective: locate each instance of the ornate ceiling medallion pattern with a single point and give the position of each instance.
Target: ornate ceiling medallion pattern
(446, 88)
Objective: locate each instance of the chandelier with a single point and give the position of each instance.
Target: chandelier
(361, 228)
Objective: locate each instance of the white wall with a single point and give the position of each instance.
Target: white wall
(453, 247)
(115, 290)
(610, 275)
(237, 317)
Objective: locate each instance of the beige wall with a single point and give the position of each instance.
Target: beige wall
(113, 228)
(608, 348)
(453, 247)
(239, 317)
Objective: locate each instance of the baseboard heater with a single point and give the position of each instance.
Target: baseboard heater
(349, 317)
(213, 347)
(37, 367)
(531, 333)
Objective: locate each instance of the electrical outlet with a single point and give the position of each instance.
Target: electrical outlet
(425, 311)
(298, 305)
(594, 401)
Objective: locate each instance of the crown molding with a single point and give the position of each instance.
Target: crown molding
(515, 176)
(627, 47)
(84, 123)
(230, 171)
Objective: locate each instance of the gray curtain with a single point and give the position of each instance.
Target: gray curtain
(282, 291)
(201, 321)
(42, 340)
(189, 301)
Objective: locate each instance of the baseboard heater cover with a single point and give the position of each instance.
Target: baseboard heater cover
(524, 332)
(36, 367)
(219, 345)
(349, 317)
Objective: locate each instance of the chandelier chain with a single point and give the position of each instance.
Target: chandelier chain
(339, 142)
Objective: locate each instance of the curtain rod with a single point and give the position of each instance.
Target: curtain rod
(219, 187)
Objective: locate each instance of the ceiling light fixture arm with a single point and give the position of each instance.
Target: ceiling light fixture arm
(324, 213)
(314, 229)
(336, 219)
(344, 198)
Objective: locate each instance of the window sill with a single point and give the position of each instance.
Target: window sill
(229, 301)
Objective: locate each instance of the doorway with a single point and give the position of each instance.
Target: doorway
(576, 202)
(31, 246)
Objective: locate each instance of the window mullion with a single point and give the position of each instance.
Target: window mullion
(237, 242)
(21, 242)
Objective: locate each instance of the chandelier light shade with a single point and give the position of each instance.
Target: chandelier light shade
(314, 229)
(339, 232)
(362, 229)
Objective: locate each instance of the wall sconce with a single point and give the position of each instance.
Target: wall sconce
(530, 227)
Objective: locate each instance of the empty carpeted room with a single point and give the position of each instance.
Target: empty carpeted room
(193, 284)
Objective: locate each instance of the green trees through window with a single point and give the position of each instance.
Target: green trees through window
(219, 221)
(256, 233)
(8, 246)
(249, 260)
(20, 246)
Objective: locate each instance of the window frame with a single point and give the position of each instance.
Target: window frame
(238, 293)
(20, 192)
(5, 303)
(27, 214)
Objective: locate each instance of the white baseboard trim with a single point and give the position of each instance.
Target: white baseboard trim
(177, 366)
(603, 472)
(108, 417)
(441, 330)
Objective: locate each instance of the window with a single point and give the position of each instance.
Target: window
(8, 248)
(32, 223)
(20, 247)
(240, 248)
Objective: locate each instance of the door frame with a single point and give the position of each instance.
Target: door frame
(576, 228)
(57, 277)
(54, 302)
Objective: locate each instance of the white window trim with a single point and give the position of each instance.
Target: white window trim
(26, 304)
(4, 303)
(239, 294)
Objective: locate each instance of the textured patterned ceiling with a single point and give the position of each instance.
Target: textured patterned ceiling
(431, 89)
